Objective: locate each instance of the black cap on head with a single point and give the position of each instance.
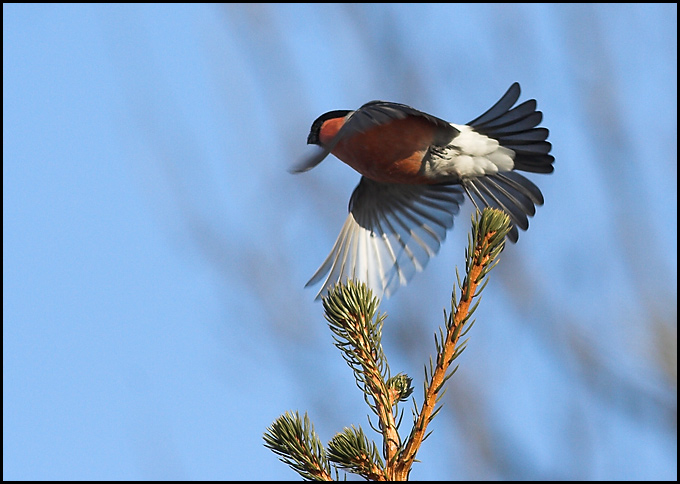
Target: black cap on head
(313, 138)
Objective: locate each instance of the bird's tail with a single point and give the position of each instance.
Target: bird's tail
(514, 128)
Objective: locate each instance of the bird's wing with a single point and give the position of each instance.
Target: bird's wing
(508, 191)
(390, 234)
(376, 113)
(370, 115)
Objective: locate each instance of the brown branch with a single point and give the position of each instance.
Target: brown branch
(482, 257)
(380, 393)
(320, 474)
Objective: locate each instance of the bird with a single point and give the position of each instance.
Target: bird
(416, 170)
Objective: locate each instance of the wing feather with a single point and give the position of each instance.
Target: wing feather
(391, 232)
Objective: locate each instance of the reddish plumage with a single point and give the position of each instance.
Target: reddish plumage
(387, 153)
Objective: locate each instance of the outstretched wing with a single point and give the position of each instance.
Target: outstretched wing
(390, 234)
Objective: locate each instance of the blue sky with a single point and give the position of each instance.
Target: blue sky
(155, 247)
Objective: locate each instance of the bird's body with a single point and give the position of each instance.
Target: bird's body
(415, 168)
(390, 153)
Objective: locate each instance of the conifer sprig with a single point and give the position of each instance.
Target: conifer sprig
(484, 246)
(352, 315)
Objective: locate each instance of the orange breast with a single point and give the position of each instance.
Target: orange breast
(389, 153)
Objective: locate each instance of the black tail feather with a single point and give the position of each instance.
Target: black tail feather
(516, 129)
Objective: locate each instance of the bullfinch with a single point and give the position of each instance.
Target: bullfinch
(416, 170)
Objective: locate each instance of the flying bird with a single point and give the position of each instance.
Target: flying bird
(416, 171)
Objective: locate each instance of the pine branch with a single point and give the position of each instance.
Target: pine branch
(351, 450)
(351, 313)
(486, 243)
(295, 441)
